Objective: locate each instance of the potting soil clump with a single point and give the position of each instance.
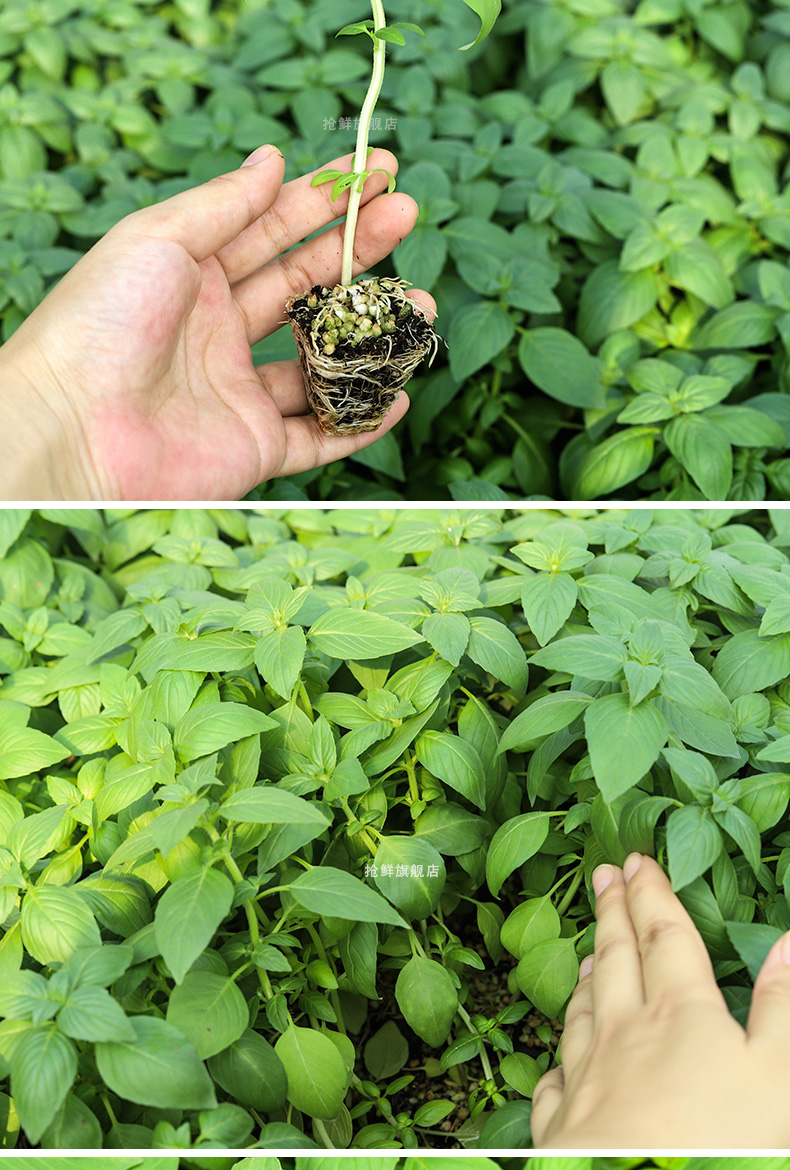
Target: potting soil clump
(358, 345)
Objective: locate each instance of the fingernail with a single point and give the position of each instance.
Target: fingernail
(601, 878)
(632, 863)
(259, 155)
(585, 967)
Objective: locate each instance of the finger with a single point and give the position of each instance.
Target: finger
(546, 1100)
(307, 446)
(617, 974)
(206, 218)
(284, 383)
(675, 963)
(769, 1015)
(297, 212)
(578, 1031)
(380, 228)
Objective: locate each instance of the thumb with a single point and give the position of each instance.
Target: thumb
(211, 215)
(769, 1015)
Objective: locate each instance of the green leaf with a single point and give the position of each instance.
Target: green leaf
(265, 804)
(739, 326)
(488, 11)
(595, 656)
(420, 257)
(211, 726)
(548, 600)
(454, 761)
(548, 973)
(693, 844)
(497, 649)
(559, 364)
(427, 997)
(477, 334)
(209, 1010)
(279, 657)
(448, 634)
(23, 750)
(748, 663)
(55, 923)
(346, 633)
(390, 34)
(696, 267)
(158, 1068)
(618, 460)
(315, 1070)
(624, 742)
(251, 1072)
(188, 915)
(530, 923)
(704, 451)
(411, 873)
(521, 1072)
(350, 30)
(545, 716)
(90, 1013)
(753, 941)
(43, 1069)
(514, 842)
(332, 892)
(625, 90)
(612, 300)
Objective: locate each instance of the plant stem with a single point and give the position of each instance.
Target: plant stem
(361, 154)
(571, 891)
(252, 923)
(484, 1061)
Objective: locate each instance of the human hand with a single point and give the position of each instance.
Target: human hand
(134, 380)
(651, 1056)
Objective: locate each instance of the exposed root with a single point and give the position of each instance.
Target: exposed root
(358, 347)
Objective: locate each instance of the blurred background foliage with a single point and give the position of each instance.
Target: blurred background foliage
(605, 217)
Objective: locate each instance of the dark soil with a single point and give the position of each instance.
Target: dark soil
(351, 390)
(412, 332)
(488, 994)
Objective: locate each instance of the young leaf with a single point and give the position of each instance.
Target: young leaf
(351, 30)
(392, 34)
(488, 11)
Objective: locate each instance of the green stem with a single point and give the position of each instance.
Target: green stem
(361, 155)
(333, 996)
(414, 791)
(486, 1063)
(252, 923)
(571, 890)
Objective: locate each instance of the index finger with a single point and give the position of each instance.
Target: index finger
(206, 218)
(675, 962)
(299, 210)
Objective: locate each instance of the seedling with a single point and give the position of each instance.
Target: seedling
(359, 344)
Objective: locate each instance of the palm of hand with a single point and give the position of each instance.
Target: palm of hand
(148, 364)
(180, 411)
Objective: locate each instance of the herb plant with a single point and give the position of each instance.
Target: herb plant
(299, 808)
(360, 345)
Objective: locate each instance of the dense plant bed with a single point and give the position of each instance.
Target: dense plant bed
(603, 217)
(299, 808)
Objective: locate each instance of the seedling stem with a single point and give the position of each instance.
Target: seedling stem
(361, 153)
